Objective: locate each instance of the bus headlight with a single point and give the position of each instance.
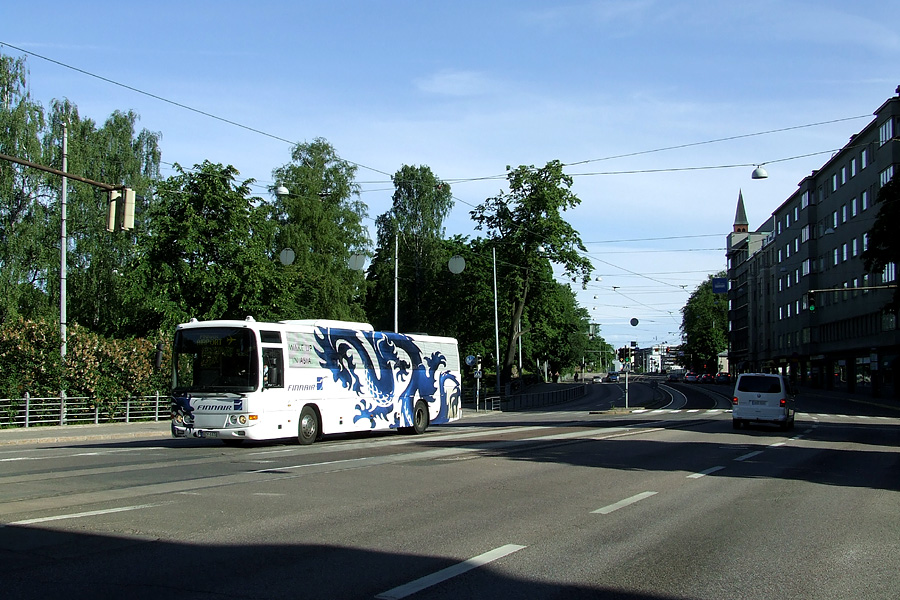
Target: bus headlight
(242, 419)
(233, 419)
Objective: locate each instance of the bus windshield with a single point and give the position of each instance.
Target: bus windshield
(215, 359)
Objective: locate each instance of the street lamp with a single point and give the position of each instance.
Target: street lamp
(759, 173)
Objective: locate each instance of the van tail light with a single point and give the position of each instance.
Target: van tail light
(782, 402)
(734, 401)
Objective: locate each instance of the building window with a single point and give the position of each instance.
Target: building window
(779, 228)
(804, 234)
(890, 273)
(853, 207)
(855, 249)
(787, 220)
(836, 257)
(844, 213)
(805, 267)
(834, 220)
(866, 283)
(887, 175)
(834, 182)
(864, 200)
(853, 167)
(886, 132)
(855, 287)
(804, 199)
(865, 242)
(845, 251)
(864, 158)
(843, 175)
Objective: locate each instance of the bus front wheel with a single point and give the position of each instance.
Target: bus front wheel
(308, 429)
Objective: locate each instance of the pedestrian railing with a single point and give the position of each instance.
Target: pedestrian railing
(535, 400)
(72, 410)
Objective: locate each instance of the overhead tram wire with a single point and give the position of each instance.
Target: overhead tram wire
(174, 103)
(461, 180)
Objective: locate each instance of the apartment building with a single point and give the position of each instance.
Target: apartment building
(808, 255)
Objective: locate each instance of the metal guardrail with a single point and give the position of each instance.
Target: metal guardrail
(537, 400)
(65, 410)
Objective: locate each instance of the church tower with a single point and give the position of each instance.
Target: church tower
(741, 225)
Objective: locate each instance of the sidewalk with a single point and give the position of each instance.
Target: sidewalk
(62, 434)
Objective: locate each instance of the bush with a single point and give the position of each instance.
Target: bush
(109, 370)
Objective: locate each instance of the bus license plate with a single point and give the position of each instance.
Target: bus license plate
(209, 434)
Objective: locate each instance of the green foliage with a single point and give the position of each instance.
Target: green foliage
(208, 254)
(320, 219)
(705, 325)
(421, 202)
(529, 231)
(25, 249)
(884, 244)
(109, 370)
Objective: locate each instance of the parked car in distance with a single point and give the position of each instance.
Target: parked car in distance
(707, 378)
(723, 377)
(597, 379)
(612, 377)
(762, 398)
(691, 377)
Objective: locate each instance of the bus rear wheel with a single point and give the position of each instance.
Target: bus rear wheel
(308, 428)
(420, 418)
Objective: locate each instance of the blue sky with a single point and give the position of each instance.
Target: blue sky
(468, 88)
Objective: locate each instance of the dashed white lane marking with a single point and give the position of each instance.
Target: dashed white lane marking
(91, 513)
(623, 503)
(749, 455)
(705, 473)
(429, 580)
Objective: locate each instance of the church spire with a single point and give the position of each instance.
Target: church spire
(741, 225)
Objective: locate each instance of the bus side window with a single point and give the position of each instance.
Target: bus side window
(273, 368)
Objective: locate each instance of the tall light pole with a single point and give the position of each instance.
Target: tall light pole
(62, 246)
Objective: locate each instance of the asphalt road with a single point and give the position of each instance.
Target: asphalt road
(575, 502)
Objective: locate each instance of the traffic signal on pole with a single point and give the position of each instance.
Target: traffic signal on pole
(128, 209)
(811, 301)
(111, 210)
(120, 210)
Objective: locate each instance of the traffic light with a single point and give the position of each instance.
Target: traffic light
(811, 301)
(111, 210)
(128, 209)
(120, 210)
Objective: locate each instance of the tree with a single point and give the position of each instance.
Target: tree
(208, 253)
(884, 244)
(98, 259)
(529, 233)
(705, 326)
(25, 250)
(421, 202)
(320, 219)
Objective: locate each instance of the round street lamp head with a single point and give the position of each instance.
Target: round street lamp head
(759, 173)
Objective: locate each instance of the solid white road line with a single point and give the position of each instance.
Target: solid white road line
(429, 580)
(623, 503)
(91, 513)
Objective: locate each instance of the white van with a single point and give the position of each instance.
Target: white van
(762, 398)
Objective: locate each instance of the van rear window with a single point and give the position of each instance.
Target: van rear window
(760, 384)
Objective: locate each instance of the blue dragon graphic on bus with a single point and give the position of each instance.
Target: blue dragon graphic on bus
(389, 373)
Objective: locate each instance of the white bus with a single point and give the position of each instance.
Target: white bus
(246, 380)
